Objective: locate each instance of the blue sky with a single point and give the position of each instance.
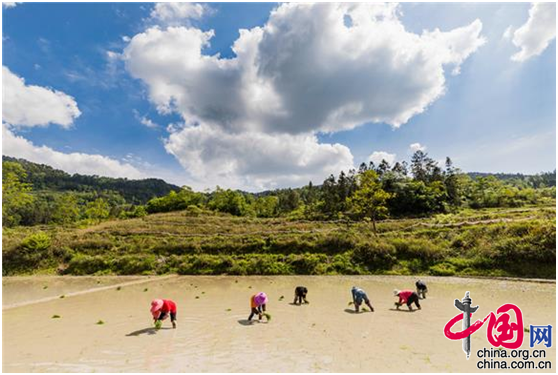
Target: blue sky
(495, 115)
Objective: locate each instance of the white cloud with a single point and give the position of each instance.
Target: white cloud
(111, 55)
(414, 147)
(28, 105)
(8, 4)
(377, 156)
(508, 33)
(255, 160)
(537, 33)
(145, 121)
(304, 72)
(178, 13)
(75, 162)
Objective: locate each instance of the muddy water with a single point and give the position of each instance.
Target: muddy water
(213, 335)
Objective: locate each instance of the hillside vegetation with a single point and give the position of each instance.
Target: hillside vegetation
(492, 242)
(406, 218)
(34, 194)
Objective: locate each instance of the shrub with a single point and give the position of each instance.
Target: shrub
(375, 256)
(268, 265)
(39, 242)
(32, 253)
(417, 249)
(306, 264)
(87, 265)
(134, 264)
(194, 210)
(442, 269)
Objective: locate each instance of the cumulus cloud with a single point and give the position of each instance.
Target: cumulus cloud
(8, 4)
(255, 160)
(28, 105)
(306, 71)
(75, 162)
(414, 147)
(377, 156)
(537, 33)
(178, 13)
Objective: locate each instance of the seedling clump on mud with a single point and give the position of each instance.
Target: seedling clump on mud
(62, 296)
(281, 298)
(267, 316)
(119, 288)
(100, 322)
(56, 316)
(146, 289)
(197, 297)
(45, 287)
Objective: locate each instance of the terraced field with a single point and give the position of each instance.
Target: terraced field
(491, 242)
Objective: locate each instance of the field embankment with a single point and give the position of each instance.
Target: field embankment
(491, 242)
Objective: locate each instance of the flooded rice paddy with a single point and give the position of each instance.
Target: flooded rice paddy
(214, 336)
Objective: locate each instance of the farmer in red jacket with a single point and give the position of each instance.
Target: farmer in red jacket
(408, 297)
(161, 309)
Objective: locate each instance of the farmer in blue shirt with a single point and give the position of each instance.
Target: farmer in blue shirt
(359, 295)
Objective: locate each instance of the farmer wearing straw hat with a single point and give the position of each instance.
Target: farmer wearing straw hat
(408, 297)
(257, 305)
(359, 296)
(161, 309)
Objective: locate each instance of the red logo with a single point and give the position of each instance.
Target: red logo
(500, 331)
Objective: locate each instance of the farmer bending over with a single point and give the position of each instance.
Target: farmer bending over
(300, 295)
(257, 305)
(408, 297)
(161, 309)
(422, 289)
(359, 295)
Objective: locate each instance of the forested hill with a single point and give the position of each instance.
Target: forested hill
(44, 177)
(538, 180)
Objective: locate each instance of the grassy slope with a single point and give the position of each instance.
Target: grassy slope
(496, 242)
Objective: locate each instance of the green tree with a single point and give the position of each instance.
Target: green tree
(425, 168)
(369, 200)
(451, 181)
(15, 192)
(266, 206)
(289, 200)
(176, 201)
(229, 201)
(97, 210)
(66, 209)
